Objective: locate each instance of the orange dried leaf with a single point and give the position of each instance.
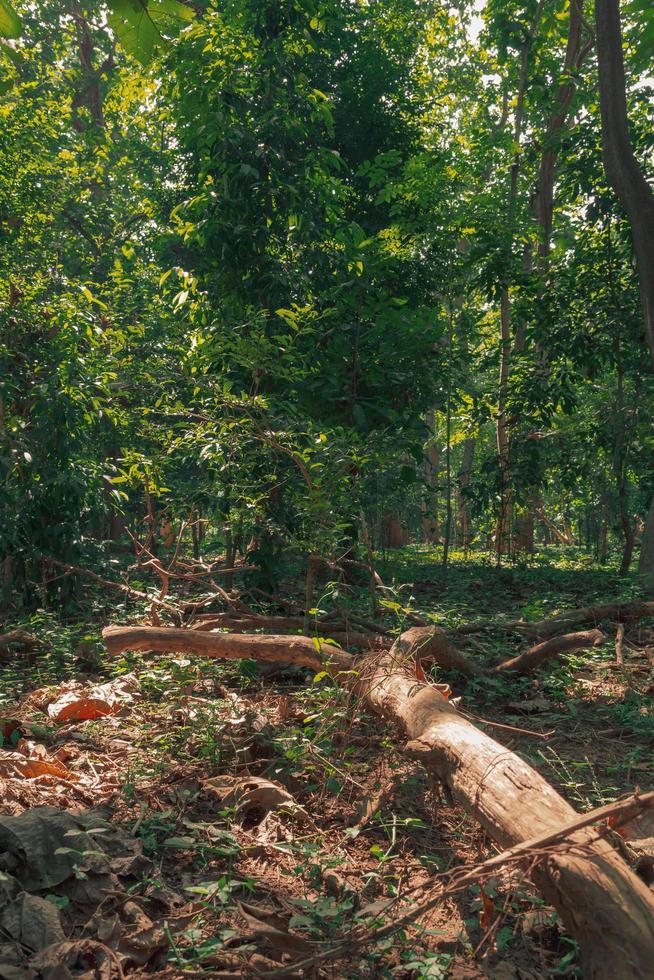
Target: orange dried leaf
(77, 707)
(486, 911)
(15, 764)
(32, 768)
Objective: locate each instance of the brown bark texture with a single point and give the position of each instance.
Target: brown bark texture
(623, 170)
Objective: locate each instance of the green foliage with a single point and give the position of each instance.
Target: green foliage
(9, 20)
(143, 27)
(254, 274)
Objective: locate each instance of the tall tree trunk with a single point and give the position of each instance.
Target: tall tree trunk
(448, 440)
(623, 171)
(430, 522)
(575, 54)
(524, 531)
(620, 451)
(632, 189)
(646, 564)
(461, 502)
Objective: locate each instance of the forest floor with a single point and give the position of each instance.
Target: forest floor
(238, 821)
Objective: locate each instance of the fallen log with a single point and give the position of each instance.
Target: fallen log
(554, 647)
(299, 650)
(600, 901)
(586, 615)
(447, 655)
(17, 639)
(304, 651)
(435, 648)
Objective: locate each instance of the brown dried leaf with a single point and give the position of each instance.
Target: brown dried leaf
(15, 764)
(254, 798)
(273, 929)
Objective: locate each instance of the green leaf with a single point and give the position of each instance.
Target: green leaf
(10, 23)
(144, 28)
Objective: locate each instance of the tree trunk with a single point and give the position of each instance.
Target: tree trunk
(575, 54)
(623, 171)
(632, 189)
(463, 481)
(430, 521)
(524, 532)
(503, 435)
(394, 535)
(646, 563)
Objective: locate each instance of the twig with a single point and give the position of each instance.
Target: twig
(508, 728)
(127, 589)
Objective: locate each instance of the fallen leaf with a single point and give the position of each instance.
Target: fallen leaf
(536, 704)
(44, 849)
(16, 764)
(84, 958)
(254, 797)
(86, 704)
(487, 909)
(73, 707)
(271, 927)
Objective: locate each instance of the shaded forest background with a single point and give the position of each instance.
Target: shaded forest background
(321, 277)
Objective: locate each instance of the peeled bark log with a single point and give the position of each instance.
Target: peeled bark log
(599, 899)
(536, 655)
(300, 650)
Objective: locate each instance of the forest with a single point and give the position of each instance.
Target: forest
(326, 489)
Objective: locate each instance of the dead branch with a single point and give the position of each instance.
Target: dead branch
(121, 587)
(554, 647)
(587, 615)
(620, 611)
